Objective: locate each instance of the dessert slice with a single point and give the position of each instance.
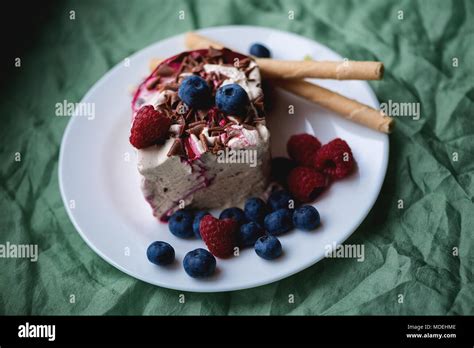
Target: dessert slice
(215, 150)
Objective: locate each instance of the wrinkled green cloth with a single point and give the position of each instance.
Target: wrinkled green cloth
(408, 251)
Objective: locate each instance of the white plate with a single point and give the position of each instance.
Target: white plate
(99, 181)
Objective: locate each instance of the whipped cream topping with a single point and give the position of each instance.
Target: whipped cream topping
(153, 98)
(240, 137)
(156, 99)
(196, 132)
(250, 84)
(196, 148)
(211, 140)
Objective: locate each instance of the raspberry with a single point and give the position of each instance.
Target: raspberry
(220, 236)
(302, 148)
(305, 184)
(149, 127)
(335, 159)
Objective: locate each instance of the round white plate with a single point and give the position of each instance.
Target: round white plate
(99, 181)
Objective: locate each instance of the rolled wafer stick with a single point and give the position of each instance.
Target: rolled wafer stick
(348, 70)
(345, 70)
(293, 69)
(195, 41)
(346, 107)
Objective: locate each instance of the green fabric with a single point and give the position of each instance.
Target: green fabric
(408, 251)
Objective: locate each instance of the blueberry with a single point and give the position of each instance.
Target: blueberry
(281, 167)
(160, 253)
(181, 224)
(268, 247)
(232, 99)
(199, 263)
(258, 50)
(197, 220)
(234, 213)
(255, 209)
(306, 218)
(195, 92)
(280, 199)
(249, 233)
(279, 221)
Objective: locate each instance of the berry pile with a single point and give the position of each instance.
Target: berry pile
(312, 167)
(257, 226)
(308, 172)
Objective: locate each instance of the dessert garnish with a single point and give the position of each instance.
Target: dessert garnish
(249, 233)
(268, 247)
(150, 127)
(160, 253)
(197, 221)
(220, 236)
(255, 209)
(306, 184)
(233, 100)
(259, 50)
(187, 85)
(335, 159)
(181, 224)
(279, 221)
(199, 263)
(279, 199)
(234, 213)
(306, 218)
(302, 148)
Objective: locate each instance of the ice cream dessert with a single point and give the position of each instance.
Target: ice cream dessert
(199, 128)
